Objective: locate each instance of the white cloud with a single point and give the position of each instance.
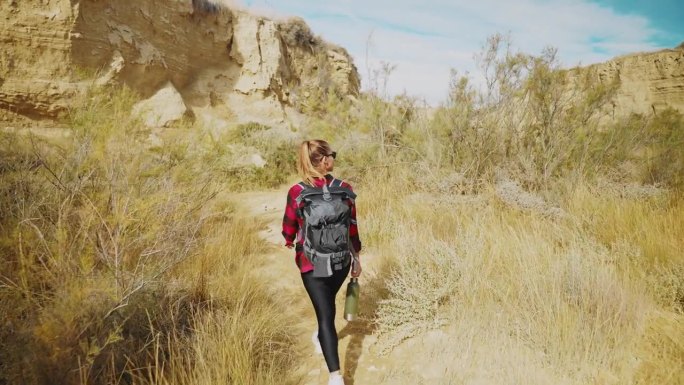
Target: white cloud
(426, 39)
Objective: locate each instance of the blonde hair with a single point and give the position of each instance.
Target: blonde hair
(311, 154)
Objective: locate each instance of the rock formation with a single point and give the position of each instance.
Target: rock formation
(647, 82)
(227, 65)
(223, 62)
(162, 109)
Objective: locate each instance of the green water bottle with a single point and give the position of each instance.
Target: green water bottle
(351, 304)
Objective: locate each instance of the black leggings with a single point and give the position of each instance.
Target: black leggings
(322, 292)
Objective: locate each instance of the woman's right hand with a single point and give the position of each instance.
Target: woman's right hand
(356, 265)
(356, 269)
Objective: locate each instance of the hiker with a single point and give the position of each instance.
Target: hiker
(325, 251)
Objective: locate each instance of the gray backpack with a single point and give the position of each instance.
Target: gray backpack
(327, 217)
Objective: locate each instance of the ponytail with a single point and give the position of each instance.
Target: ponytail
(311, 153)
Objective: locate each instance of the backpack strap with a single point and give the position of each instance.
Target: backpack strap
(336, 182)
(334, 187)
(304, 187)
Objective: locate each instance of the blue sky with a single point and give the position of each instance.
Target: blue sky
(425, 39)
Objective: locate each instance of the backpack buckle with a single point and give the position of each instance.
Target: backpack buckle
(326, 193)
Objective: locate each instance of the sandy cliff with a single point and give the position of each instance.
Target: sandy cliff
(648, 82)
(225, 63)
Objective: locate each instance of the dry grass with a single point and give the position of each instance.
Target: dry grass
(555, 299)
(243, 337)
(121, 264)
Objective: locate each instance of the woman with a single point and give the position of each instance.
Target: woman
(315, 162)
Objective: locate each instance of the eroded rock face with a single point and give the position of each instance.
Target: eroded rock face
(220, 60)
(34, 47)
(648, 83)
(257, 48)
(163, 108)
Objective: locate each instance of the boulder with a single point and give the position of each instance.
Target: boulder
(163, 108)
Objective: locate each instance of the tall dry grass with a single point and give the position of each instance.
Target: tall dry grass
(124, 260)
(521, 296)
(243, 336)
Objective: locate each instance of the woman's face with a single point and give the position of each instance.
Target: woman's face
(329, 161)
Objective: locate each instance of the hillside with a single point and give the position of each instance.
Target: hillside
(226, 64)
(221, 64)
(648, 82)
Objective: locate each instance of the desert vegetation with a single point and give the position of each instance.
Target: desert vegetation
(542, 243)
(123, 261)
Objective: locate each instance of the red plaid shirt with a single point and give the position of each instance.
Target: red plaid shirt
(292, 224)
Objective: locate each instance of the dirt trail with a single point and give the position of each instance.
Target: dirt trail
(359, 365)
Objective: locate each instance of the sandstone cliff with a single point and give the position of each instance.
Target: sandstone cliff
(647, 82)
(225, 63)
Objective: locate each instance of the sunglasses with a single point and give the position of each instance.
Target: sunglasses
(333, 154)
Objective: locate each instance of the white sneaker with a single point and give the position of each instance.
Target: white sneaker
(316, 342)
(336, 380)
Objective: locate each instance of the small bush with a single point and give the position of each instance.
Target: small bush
(416, 295)
(278, 152)
(296, 33)
(643, 149)
(207, 6)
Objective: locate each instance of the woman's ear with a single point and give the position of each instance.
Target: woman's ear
(329, 163)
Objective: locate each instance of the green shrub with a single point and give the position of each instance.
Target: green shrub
(646, 149)
(665, 154)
